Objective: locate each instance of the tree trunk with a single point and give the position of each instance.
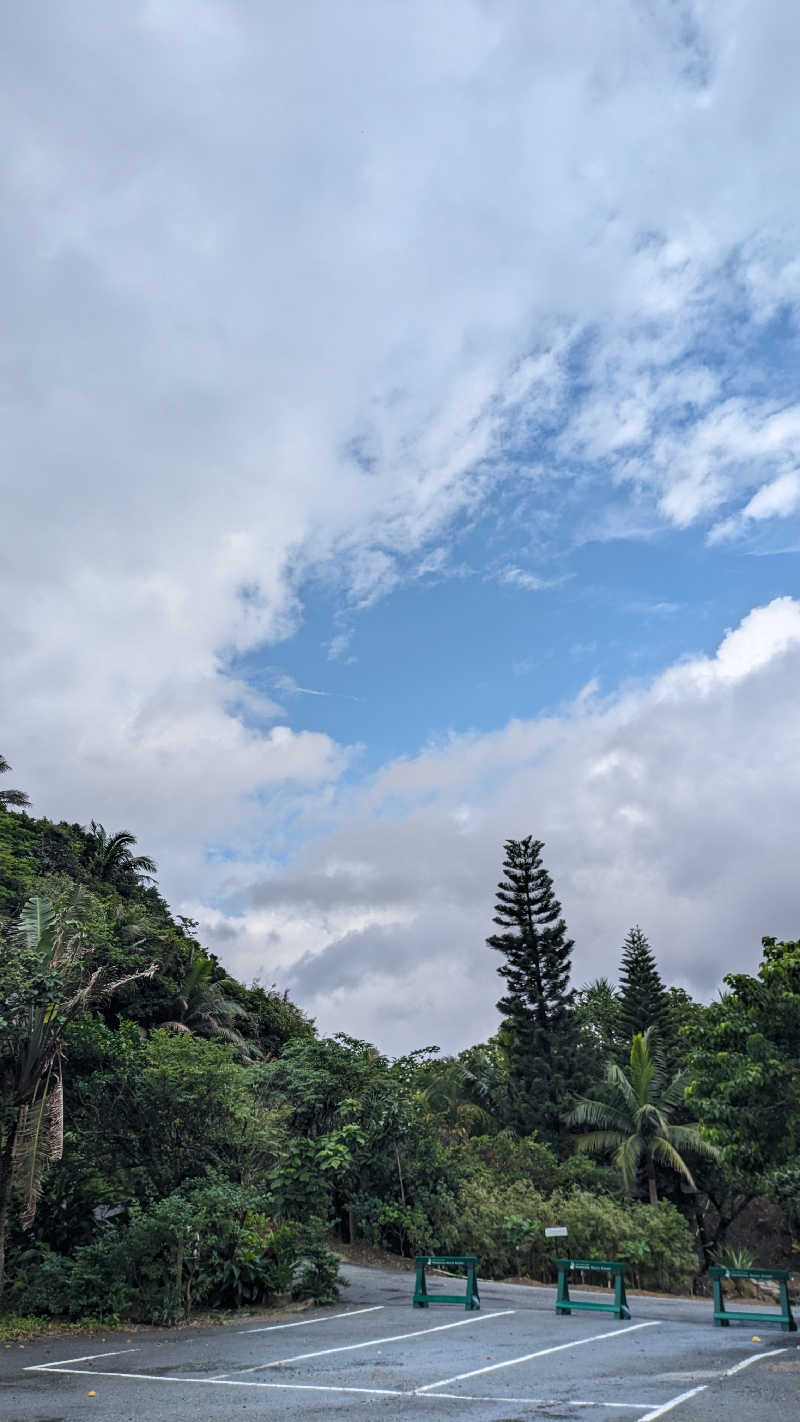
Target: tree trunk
(651, 1183)
(704, 1254)
(179, 1270)
(6, 1172)
(400, 1176)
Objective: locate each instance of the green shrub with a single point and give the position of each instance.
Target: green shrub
(208, 1250)
(489, 1216)
(495, 1219)
(316, 1274)
(91, 1283)
(402, 1229)
(654, 1239)
(41, 1283)
(263, 1265)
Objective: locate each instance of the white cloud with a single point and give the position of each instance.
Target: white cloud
(287, 292)
(529, 582)
(671, 806)
(777, 499)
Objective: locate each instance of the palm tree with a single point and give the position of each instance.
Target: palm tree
(111, 860)
(50, 978)
(633, 1121)
(202, 1006)
(447, 1096)
(466, 1092)
(11, 797)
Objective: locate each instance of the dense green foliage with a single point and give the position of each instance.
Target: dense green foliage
(746, 1069)
(215, 1146)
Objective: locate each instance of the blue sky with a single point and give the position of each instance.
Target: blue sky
(460, 653)
(403, 453)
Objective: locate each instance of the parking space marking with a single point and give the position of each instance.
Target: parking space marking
(673, 1402)
(84, 1358)
(745, 1363)
(220, 1382)
(533, 1401)
(415, 1393)
(372, 1343)
(540, 1353)
(306, 1322)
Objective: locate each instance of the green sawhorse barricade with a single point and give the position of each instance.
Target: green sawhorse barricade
(564, 1304)
(723, 1315)
(470, 1300)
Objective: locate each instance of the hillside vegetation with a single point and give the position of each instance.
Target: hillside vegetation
(171, 1139)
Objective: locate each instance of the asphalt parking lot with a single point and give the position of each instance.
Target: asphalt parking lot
(512, 1361)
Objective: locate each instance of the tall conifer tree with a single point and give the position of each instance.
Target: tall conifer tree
(540, 1028)
(644, 997)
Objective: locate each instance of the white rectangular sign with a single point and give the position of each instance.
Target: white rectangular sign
(555, 1231)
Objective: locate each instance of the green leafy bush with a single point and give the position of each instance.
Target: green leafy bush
(92, 1282)
(263, 1265)
(402, 1229)
(494, 1219)
(316, 1275)
(655, 1239)
(181, 1252)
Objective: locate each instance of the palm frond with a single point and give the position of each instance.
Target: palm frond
(598, 1142)
(11, 797)
(688, 1138)
(617, 1078)
(39, 1141)
(110, 988)
(673, 1094)
(35, 924)
(143, 865)
(229, 1034)
(642, 1068)
(599, 1113)
(627, 1159)
(15, 797)
(664, 1151)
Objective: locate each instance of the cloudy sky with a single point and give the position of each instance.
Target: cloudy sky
(401, 450)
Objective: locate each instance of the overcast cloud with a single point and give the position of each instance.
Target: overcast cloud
(294, 294)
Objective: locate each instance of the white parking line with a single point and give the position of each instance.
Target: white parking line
(331, 1387)
(306, 1322)
(85, 1358)
(540, 1353)
(370, 1343)
(219, 1382)
(745, 1363)
(673, 1402)
(533, 1401)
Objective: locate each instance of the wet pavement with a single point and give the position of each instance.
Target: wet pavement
(512, 1361)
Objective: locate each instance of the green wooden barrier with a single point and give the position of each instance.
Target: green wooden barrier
(564, 1304)
(470, 1300)
(723, 1315)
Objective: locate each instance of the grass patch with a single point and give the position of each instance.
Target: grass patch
(18, 1327)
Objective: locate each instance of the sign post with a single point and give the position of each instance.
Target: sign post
(556, 1232)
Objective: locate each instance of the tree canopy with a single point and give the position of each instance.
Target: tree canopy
(172, 1138)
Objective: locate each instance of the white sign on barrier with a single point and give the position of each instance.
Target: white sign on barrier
(555, 1232)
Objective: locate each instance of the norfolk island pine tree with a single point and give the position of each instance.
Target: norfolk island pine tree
(643, 996)
(539, 1028)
